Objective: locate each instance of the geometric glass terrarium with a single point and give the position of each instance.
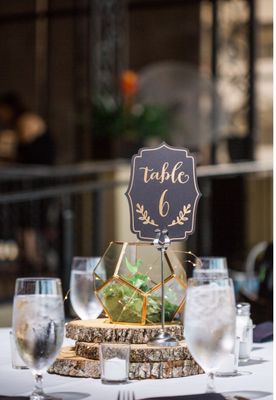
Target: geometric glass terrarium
(128, 283)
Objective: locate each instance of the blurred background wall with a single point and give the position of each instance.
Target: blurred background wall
(59, 55)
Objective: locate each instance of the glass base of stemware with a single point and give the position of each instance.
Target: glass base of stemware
(227, 374)
(43, 396)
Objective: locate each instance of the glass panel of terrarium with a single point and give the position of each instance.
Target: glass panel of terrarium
(184, 262)
(141, 267)
(108, 263)
(178, 265)
(174, 297)
(122, 302)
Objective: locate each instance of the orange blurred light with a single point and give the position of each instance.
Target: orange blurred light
(129, 83)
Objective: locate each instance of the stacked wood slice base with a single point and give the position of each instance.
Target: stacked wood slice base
(146, 361)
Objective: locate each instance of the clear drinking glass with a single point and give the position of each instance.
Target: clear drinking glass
(211, 267)
(209, 323)
(38, 325)
(82, 291)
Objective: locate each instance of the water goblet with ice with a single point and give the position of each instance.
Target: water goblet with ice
(211, 268)
(82, 291)
(209, 323)
(38, 325)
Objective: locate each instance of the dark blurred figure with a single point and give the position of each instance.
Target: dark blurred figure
(262, 304)
(34, 145)
(264, 269)
(11, 107)
(24, 136)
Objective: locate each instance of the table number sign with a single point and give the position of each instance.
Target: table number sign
(163, 193)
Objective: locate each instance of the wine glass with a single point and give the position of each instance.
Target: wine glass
(38, 325)
(211, 267)
(82, 292)
(209, 323)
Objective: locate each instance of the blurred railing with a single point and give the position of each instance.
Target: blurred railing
(50, 214)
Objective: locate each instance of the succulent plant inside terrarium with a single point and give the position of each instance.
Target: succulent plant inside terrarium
(130, 291)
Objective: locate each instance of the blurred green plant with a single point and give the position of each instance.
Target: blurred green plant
(125, 117)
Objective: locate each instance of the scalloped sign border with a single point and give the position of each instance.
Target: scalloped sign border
(163, 192)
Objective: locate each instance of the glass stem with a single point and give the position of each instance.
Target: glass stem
(210, 382)
(38, 385)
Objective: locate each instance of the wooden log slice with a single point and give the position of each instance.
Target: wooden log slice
(101, 330)
(139, 352)
(69, 364)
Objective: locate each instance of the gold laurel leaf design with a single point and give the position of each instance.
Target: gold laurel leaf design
(181, 217)
(145, 217)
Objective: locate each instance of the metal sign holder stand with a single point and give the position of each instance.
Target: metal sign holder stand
(162, 242)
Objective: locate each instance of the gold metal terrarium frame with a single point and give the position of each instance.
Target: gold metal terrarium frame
(129, 287)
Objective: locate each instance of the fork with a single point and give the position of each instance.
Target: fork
(126, 396)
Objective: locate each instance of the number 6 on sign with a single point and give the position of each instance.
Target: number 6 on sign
(164, 206)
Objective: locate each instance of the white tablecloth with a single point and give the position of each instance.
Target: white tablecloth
(254, 382)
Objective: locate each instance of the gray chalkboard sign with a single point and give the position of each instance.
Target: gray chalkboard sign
(163, 192)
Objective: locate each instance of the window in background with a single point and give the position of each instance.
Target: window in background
(264, 68)
(234, 83)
